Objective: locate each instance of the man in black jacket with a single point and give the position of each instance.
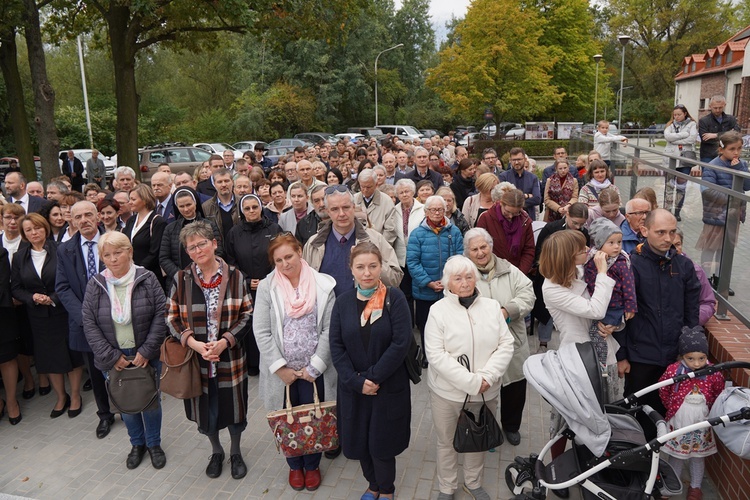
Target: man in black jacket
(308, 225)
(711, 126)
(73, 168)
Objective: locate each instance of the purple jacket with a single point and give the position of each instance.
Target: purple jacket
(707, 300)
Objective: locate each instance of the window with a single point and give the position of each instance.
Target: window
(718, 60)
(702, 104)
(692, 67)
(708, 62)
(685, 70)
(200, 155)
(729, 56)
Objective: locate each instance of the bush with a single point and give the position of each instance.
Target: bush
(532, 148)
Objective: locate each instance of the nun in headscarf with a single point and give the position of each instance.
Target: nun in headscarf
(187, 209)
(246, 248)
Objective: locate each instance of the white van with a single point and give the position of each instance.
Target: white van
(401, 131)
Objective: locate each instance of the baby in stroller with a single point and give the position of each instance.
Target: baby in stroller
(688, 402)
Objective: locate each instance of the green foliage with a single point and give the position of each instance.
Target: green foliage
(497, 63)
(281, 111)
(73, 133)
(532, 148)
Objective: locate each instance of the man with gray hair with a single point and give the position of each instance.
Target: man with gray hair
(379, 208)
(329, 249)
(636, 211)
(711, 126)
(389, 164)
(56, 190)
(96, 171)
(124, 178)
(421, 170)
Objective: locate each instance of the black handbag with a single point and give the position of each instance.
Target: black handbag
(133, 389)
(415, 356)
(476, 435)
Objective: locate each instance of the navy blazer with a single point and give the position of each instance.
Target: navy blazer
(35, 203)
(168, 213)
(70, 285)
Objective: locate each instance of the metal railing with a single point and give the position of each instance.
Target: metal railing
(640, 161)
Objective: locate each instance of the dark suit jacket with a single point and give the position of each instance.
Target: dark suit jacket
(168, 210)
(206, 187)
(25, 282)
(70, 285)
(77, 169)
(147, 243)
(436, 178)
(35, 203)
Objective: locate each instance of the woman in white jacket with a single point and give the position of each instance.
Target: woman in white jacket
(463, 323)
(681, 134)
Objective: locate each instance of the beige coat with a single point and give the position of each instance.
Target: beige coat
(382, 217)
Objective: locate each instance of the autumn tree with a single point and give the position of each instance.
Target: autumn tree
(497, 60)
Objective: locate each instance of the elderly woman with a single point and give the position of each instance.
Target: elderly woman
(477, 204)
(145, 229)
(463, 180)
(430, 245)
(451, 210)
(209, 311)
(560, 192)
(489, 348)
(597, 179)
(411, 213)
(123, 320)
(247, 249)
(370, 337)
(510, 228)
(505, 283)
(33, 284)
(291, 322)
(172, 254)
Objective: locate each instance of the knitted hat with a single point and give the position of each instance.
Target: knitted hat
(693, 340)
(600, 230)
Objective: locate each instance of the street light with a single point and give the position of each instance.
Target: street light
(597, 58)
(624, 40)
(376, 77)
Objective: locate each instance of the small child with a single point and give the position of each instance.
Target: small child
(607, 237)
(687, 403)
(603, 140)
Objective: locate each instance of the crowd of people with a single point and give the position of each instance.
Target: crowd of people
(311, 275)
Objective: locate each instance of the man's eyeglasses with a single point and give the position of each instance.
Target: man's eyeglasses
(340, 188)
(641, 213)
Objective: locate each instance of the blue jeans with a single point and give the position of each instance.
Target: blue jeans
(301, 392)
(545, 331)
(144, 427)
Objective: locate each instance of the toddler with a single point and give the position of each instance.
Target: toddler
(603, 140)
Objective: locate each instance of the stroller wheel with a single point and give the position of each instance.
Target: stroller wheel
(518, 478)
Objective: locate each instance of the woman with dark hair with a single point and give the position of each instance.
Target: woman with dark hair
(53, 214)
(334, 176)
(279, 202)
(10, 338)
(680, 134)
(510, 228)
(560, 192)
(597, 179)
(108, 209)
(463, 180)
(278, 175)
(246, 248)
(172, 254)
(145, 229)
(66, 204)
(425, 189)
(370, 336)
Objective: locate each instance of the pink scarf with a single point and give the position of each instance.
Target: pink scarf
(300, 301)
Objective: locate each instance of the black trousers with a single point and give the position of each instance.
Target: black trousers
(512, 401)
(99, 387)
(380, 473)
(642, 375)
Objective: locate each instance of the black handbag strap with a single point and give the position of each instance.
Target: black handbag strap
(189, 299)
(463, 360)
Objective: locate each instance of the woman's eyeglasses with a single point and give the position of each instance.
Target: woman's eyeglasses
(336, 188)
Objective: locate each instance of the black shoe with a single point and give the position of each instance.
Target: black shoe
(239, 469)
(28, 394)
(57, 413)
(331, 454)
(158, 458)
(561, 493)
(731, 292)
(15, 420)
(102, 430)
(135, 456)
(76, 412)
(513, 438)
(86, 386)
(214, 465)
(253, 371)
(677, 216)
(43, 391)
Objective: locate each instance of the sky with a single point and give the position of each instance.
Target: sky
(441, 11)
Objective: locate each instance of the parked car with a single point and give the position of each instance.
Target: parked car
(469, 139)
(218, 148)
(276, 152)
(179, 158)
(293, 143)
(430, 132)
(316, 137)
(5, 165)
(84, 155)
(401, 131)
(243, 146)
(368, 132)
(353, 137)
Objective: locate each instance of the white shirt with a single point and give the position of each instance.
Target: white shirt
(24, 202)
(38, 257)
(11, 246)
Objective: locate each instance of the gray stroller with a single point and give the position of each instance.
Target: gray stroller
(615, 451)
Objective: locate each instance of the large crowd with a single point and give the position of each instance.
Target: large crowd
(312, 273)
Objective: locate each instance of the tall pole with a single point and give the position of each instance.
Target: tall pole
(376, 77)
(624, 39)
(597, 58)
(85, 93)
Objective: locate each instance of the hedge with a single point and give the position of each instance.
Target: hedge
(532, 148)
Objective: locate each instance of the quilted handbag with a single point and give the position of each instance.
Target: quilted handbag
(180, 373)
(305, 429)
(133, 389)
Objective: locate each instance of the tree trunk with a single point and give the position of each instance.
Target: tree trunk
(44, 95)
(123, 46)
(14, 88)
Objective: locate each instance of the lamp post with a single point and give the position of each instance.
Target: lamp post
(624, 40)
(597, 58)
(376, 77)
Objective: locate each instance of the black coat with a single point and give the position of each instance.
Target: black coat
(378, 426)
(246, 248)
(25, 282)
(462, 189)
(147, 242)
(75, 180)
(307, 227)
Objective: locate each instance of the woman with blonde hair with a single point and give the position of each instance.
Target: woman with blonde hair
(145, 229)
(477, 204)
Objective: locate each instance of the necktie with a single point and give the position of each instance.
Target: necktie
(160, 209)
(343, 240)
(90, 260)
(19, 202)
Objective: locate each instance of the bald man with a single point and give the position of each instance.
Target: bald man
(161, 183)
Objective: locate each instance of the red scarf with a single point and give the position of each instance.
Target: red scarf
(436, 227)
(560, 191)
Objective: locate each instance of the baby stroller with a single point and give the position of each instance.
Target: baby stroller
(615, 447)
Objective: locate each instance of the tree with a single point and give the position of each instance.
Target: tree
(411, 26)
(497, 63)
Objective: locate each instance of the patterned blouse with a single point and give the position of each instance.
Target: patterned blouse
(211, 296)
(301, 341)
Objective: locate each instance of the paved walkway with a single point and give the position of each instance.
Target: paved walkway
(59, 459)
